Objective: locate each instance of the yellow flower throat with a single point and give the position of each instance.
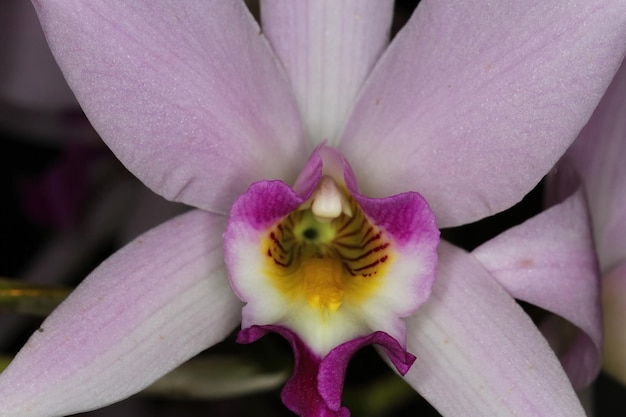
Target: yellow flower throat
(327, 262)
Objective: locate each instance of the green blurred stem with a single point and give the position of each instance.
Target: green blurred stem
(25, 298)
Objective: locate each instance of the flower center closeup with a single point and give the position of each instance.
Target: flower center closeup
(326, 252)
(325, 262)
(331, 271)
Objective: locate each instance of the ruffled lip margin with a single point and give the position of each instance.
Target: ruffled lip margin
(316, 385)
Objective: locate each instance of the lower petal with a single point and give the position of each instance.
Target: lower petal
(478, 353)
(151, 306)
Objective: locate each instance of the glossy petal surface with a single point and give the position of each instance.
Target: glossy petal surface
(549, 261)
(148, 308)
(478, 353)
(183, 93)
(473, 103)
(327, 48)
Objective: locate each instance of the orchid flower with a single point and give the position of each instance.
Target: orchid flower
(596, 161)
(305, 145)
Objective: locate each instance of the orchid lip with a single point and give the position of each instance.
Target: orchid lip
(331, 271)
(330, 264)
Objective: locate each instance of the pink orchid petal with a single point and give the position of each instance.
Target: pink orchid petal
(473, 103)
(327, 48)
(183, 93)
(614, 308)
(549, 261)
(478, 353)
(148, 308)
(597, 157)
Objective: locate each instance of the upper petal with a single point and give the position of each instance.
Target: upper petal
(327, 48)
(478, 353)
(148, 308)
(183, 93)
(550, 261)
(472, 103)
